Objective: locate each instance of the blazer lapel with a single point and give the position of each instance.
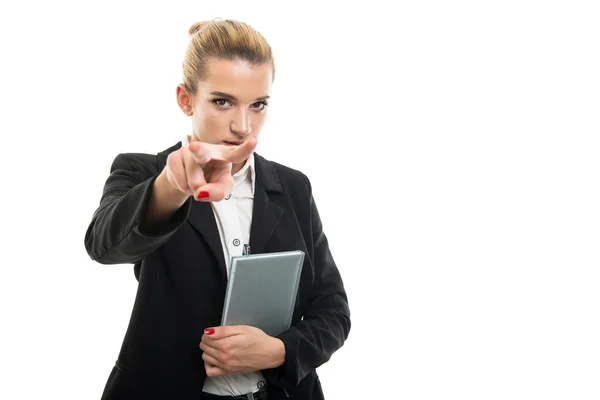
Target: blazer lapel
(265, 218)
(266, 214)
(202, 218)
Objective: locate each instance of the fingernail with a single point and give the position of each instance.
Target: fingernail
(209, 331)
(202, 195)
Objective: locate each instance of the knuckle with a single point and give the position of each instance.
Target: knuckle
(193, 184)
(191, 165)
(171, 161)
(174, 164)
(174, 157)
(194, 177)
(225, 359)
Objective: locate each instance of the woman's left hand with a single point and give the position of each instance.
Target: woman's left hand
(238, 349)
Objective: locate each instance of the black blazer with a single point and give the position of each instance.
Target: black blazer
(182, 279)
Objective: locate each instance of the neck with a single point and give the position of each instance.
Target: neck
(235, 168)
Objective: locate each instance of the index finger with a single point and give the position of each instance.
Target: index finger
(200, 152)
(237, 154)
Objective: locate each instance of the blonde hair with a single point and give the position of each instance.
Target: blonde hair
(222, 39)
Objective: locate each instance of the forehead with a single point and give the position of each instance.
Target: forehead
(237, 78)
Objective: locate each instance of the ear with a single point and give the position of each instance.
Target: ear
(184, 100)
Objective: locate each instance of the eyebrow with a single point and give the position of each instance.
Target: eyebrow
(228, 96)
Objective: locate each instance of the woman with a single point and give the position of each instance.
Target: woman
(180, 216)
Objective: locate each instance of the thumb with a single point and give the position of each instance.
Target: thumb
(220, 332)
(210, 192)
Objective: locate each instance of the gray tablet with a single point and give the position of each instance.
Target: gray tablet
(262, 290)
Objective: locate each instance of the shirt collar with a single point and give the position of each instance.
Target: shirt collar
(248, 171)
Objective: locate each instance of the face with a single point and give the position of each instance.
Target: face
(230, 105)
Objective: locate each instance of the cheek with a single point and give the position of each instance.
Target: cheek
(209, 124)
(216, 122)
(258, 122)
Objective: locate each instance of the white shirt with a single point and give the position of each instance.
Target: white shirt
(234, 216)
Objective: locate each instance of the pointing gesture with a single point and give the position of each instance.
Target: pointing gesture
(203, 170)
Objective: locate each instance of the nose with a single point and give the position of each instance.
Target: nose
(241, 124)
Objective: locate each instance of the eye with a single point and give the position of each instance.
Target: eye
(260, 105)
(221, 103)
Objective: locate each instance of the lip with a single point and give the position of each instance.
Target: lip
(232, 142)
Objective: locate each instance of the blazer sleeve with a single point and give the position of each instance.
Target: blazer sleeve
(326, 323)
(118, 233)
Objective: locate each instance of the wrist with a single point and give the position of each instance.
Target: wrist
(277, 353)
(167, 189)
(165, 200)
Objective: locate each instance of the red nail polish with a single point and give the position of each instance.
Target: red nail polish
(203, 195)
(209, 331)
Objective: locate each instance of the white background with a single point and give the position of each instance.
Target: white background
(454, 153)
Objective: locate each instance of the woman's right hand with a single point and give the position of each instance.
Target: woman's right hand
(203, 170)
